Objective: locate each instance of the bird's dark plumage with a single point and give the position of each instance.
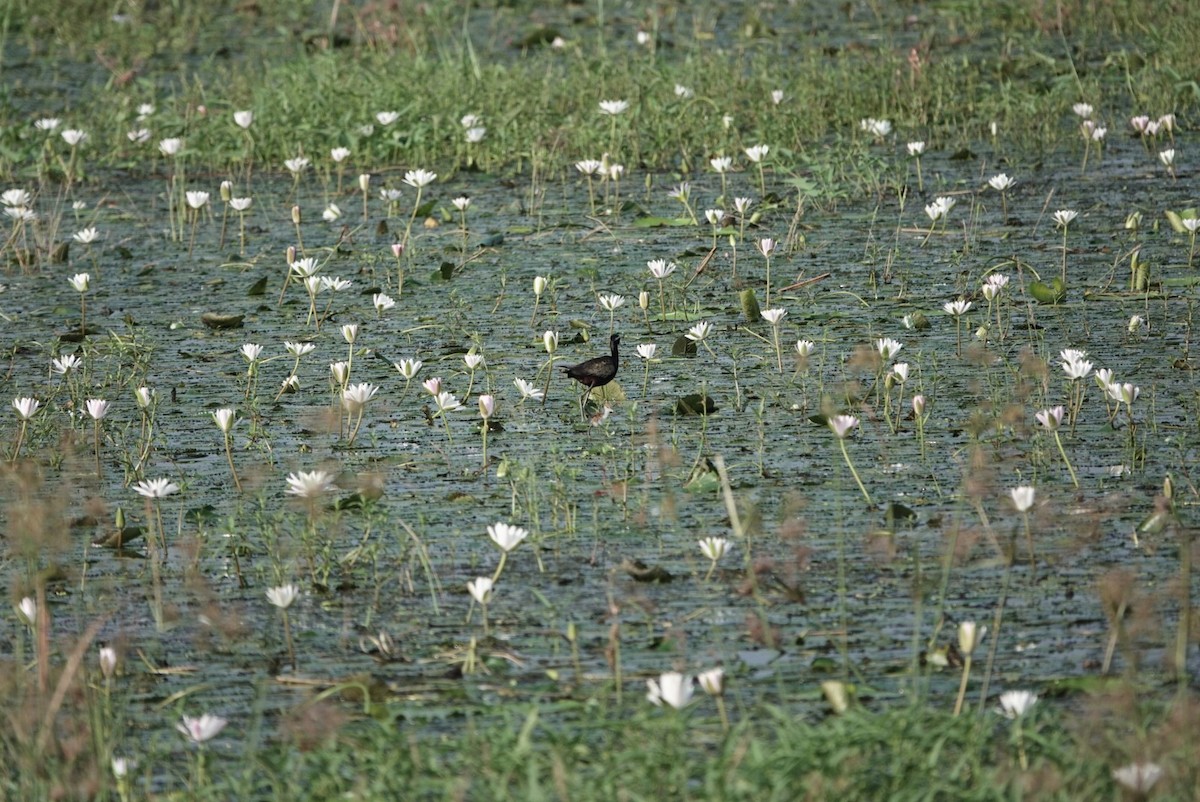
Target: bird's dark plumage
(596, 372)
(599, 371)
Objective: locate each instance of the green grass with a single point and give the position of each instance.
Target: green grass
(1011, 67)
(594, 750)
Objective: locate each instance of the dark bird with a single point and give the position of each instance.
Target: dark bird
(596, 372)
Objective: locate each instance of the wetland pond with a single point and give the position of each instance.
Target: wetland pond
(840, 589)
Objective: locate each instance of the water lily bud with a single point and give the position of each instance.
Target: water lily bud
(1168, 487)
(487, 406)
(364, 181)
(291, 254)
(1134, 221)
(539, 285)
(108, 661)
(918, 405)
(1135, 323)
(644, 300)
(27, 610)
(969, 636)
(296, 215)
(836, 695)
(226, 191)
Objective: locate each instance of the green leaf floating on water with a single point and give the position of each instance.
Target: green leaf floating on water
(661, 222)
(1053, 293)
(695, 404)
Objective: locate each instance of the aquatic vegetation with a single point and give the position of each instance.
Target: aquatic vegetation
(364, 529)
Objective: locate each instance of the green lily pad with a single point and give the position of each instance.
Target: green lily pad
(1053, 293)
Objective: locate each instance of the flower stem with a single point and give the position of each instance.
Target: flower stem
(962, 685)
(853, 472)
(229, 455)
(1061, 451)
(500, 567)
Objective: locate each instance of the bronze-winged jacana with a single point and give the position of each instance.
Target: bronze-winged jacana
(596, 372)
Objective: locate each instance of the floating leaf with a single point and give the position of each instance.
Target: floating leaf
(1053, 293)
(695, 404)
(645, 573)
(898, 512)
(216, 320)
(118, 538)
(919, 321)
(537, 37)
(703, 480)
(683, 347)
(661, 222)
